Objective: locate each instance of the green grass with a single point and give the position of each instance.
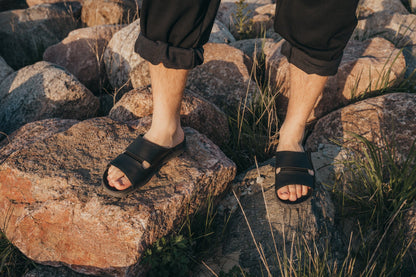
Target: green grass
(377, 189)
(12, 261)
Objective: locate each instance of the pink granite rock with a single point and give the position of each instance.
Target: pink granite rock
(102, 12)
(395, 27)
(125, 68)
(370, 7)
(366, 66)
(56, 213)
(224, 77)
(41, 91)
(81, 53)
(384, 119)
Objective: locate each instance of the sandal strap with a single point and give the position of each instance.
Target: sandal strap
(290, 177)
(290, 159)
(131, 161)
(143, 150)
(131, 167)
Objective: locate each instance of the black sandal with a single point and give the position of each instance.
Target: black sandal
(295, 168)
(131, 164)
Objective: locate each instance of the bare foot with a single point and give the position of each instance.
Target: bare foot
(291, 192)
(116, 177)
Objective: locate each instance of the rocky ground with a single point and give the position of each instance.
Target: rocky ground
(73, 93)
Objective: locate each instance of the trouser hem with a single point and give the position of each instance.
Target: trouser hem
(309, 64)
(157, 52)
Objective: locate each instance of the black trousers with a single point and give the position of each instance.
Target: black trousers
(316, 31)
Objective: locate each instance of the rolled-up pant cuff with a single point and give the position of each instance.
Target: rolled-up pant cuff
(172, 57)
(309, 64)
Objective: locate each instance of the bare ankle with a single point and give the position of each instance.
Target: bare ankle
(166, 137)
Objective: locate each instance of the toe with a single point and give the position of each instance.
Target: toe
(114, 176)
(292, 193)
(305, 190)
(122, 183)
(283, 193)
(298, 191)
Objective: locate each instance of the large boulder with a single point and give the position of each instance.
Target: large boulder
(81, 53)
(5, 69)
(366, 66)
(275, 226)
(196, 112)
(41, 91)
(224, 78)
(101, 12)
(56, 213)
(25, 34)
(395, 27)
(370, 7)
(384, 120)
(125, 68)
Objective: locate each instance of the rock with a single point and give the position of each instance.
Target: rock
(125, 68)
(311, 221)
(43, 91)
(395, 27)
(252, 47)
(81, 53)
(25, 34)
(31, 133)
(370, 7)
(196, 112)
(263, 18)
(220, 34)
(384, 120)
(12, 5)
(224, 77)
(5, 69)
(365, 67)
(101, 12)
(247, 19)
(58, 215)
(31, 3)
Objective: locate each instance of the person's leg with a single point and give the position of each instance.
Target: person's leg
(167, 89)
(171, 39)
(316, 33)
(300, 105)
